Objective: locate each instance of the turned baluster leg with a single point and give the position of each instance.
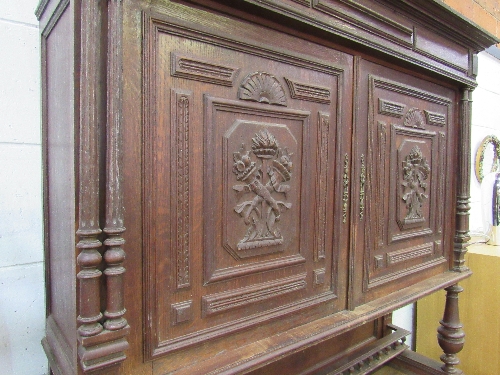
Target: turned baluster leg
(88, 281)
(114, 271)
(450, 334)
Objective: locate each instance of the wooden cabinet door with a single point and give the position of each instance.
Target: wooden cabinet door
(245, 136)
(403, 156)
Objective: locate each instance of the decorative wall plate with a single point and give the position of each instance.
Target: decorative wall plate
(488, 157)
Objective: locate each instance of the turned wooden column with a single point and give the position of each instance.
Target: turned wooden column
(103, 328)
(88, 232)
(463, 189)
(114, 229)
(450, 334)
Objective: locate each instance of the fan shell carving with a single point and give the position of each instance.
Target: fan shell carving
(262, 87)
(414, 119)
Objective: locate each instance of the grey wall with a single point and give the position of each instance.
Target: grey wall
(22, 305)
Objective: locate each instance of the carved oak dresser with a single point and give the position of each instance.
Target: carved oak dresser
(253, 186)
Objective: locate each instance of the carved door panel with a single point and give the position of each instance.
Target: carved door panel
(403, 141)
(244, 147)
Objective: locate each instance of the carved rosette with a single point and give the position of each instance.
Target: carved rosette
(265, 180)
(415, 172)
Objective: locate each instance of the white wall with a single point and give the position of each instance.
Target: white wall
(485, 121)
(22, 305)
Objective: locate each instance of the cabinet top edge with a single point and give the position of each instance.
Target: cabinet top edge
(441, 15)
(41, 8)
(413, 31)
(434, 12)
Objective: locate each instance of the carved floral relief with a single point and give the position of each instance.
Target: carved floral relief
(264, 172)
(416, 171)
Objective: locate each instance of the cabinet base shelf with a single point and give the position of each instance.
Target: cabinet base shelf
(288, 343)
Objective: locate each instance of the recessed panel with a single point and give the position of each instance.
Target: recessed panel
(409, 180)
(412, 155)
(401, 163)
(410, 176)
(241, 160)
(256, 183)
(263, 193)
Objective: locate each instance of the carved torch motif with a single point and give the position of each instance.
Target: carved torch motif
(415, 172)
(265, 179)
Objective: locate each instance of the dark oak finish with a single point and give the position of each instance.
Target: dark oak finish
(252, 186)
(450, 334)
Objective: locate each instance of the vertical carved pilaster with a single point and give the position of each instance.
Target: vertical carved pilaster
(88, 232)
(382, 132)
(463, 189)
(442, 167)
(322, 173)
(345, 194)
(362, 182)
(114, 229)
(450, 334)
(181, 112)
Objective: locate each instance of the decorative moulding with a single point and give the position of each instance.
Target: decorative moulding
(196, 69)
